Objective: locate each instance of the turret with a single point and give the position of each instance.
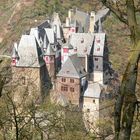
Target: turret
(49, 57)
(100, 29)
(15, 56)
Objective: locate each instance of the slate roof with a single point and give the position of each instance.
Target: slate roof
(82, 18)
(72, 68)
(99, 44)
(83, 42)
(35, 33)
(45, 24)
(51, 36)
(29, 52)
(93, 90)
(101, 14)
(49, 50)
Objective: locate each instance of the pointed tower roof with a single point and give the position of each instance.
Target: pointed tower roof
(72, 68)
(100, 28)
(30, 54)
(56, 19)
(14, 52)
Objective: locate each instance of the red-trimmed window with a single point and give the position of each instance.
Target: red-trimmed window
(98, 49)
(65, 50)
(72, 29)
(46, 59)
(98, 40)
(13, 61)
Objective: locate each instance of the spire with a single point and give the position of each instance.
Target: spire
(100, 29)
(15, 53)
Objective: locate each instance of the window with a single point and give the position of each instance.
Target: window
(97, 67)
(93, 101)
(98, 49)
(98, 40)
(72, 80)
(82, 40)
(96, 59)
(88, 110)
(72, 89)
(51, 58)
(46, 59)
(63, 79)
(65, 50)
(67, 71)
(64, 88)
(23, 80)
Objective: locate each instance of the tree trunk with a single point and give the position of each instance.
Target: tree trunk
(127, 99)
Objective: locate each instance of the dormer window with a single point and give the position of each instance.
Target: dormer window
(96, 59)
(82, 40)
(97, 67)
(98, 49)
(98, 40)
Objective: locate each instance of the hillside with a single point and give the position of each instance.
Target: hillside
(18, 16)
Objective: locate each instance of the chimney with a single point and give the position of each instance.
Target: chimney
(92, 22)
(67, 22)
(70, 14)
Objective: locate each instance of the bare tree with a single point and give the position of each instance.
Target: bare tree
(127, 12)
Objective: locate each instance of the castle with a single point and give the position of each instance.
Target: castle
(70, 58)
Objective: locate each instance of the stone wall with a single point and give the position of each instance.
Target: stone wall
(72, 95)
(28, 83)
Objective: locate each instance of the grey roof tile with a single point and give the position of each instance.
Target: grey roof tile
(72, 68)
(83, 42)
(101, 14)
(93, 90)
(30, 54)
